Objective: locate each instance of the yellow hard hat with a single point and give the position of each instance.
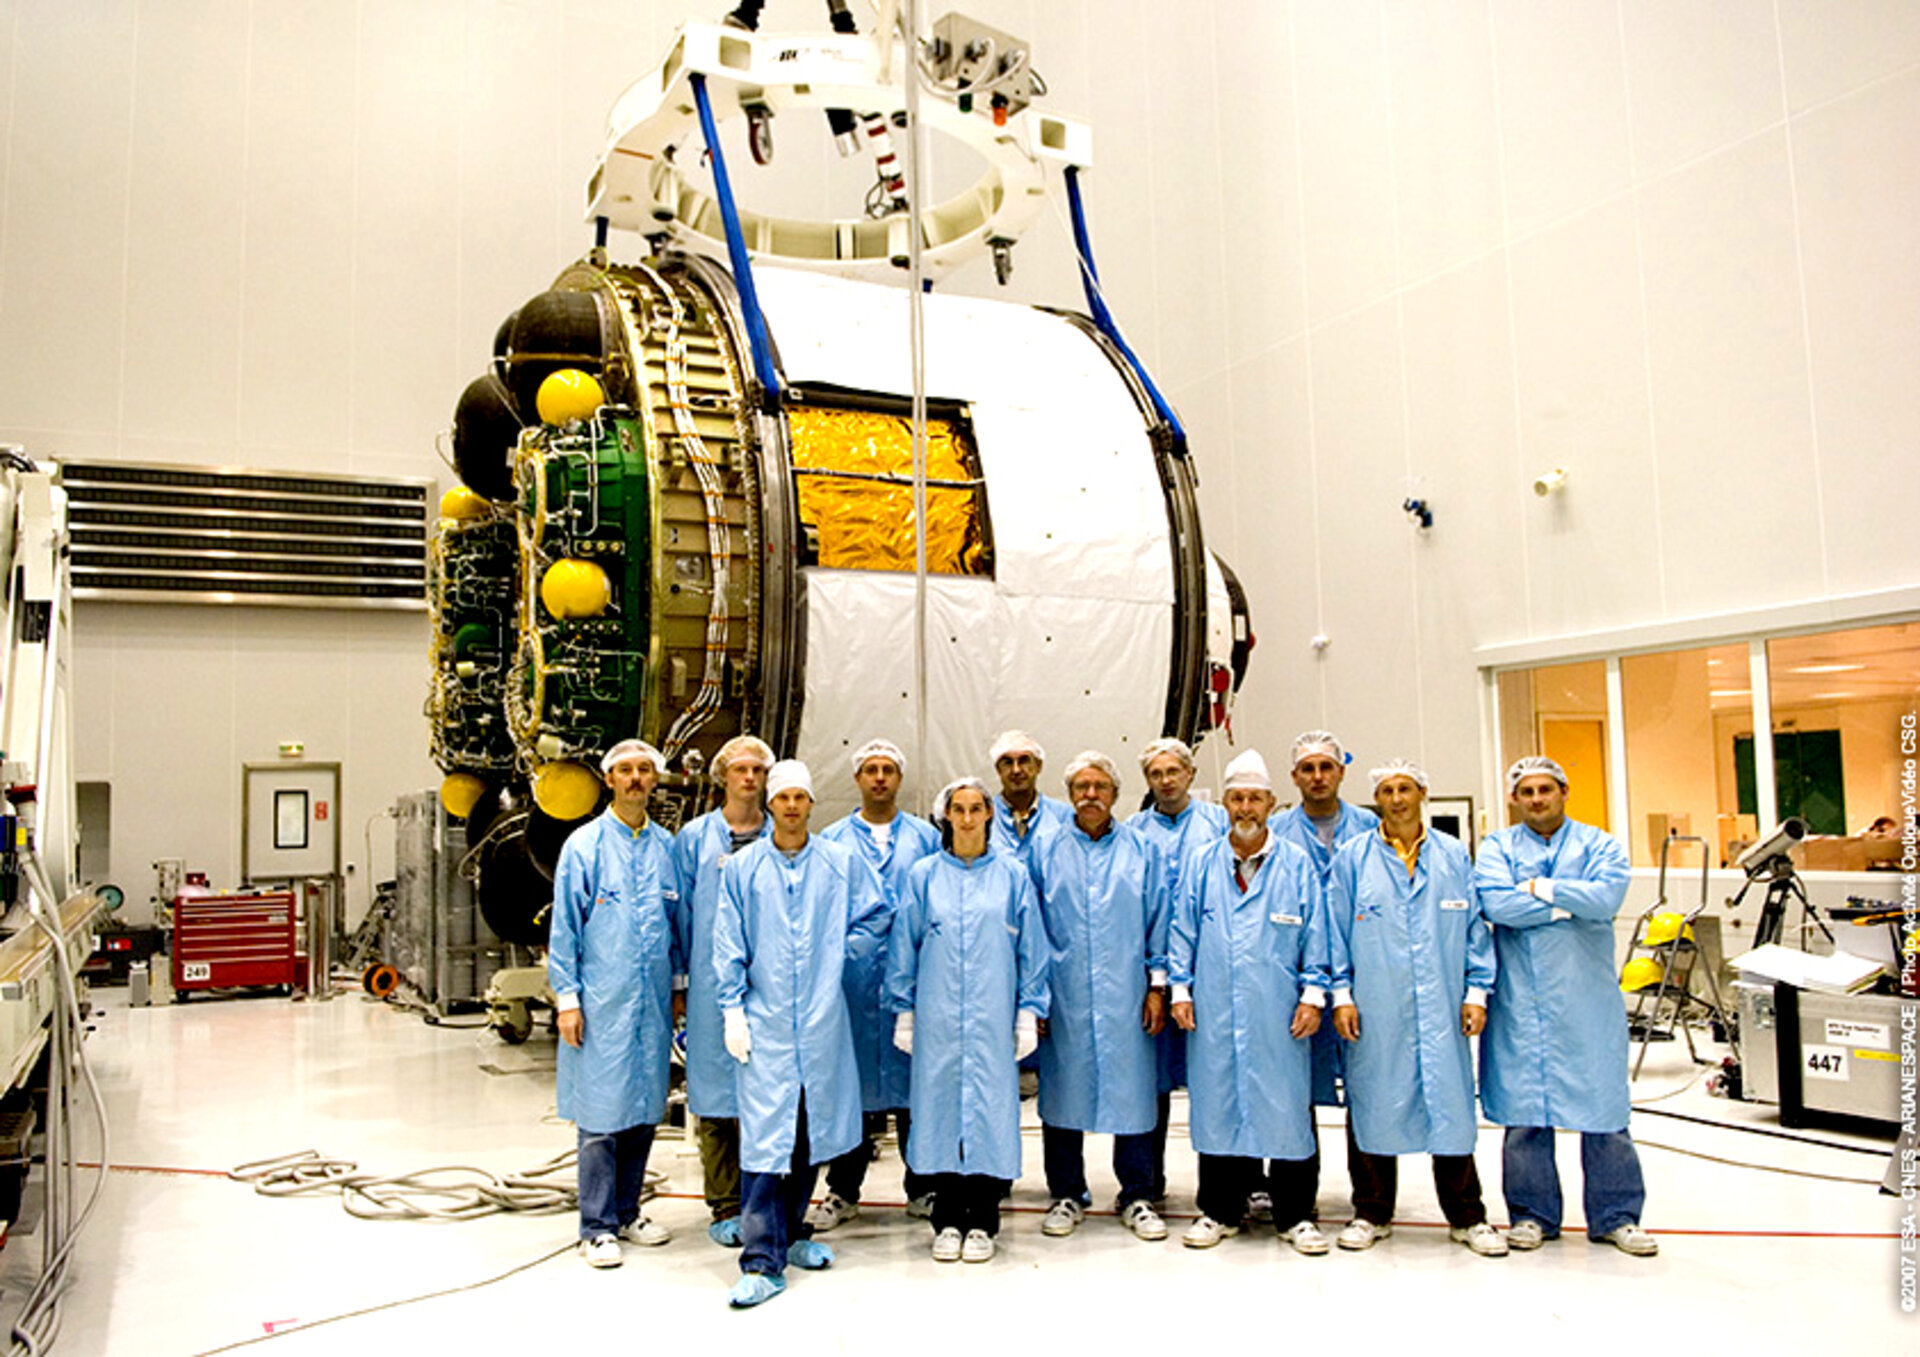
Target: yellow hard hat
(462, 504)
(460, 793)
(567, 395)
(1664, 928)
(574, 589)
(566, 790)
(1639, 973)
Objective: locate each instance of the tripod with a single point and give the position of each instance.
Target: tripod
(1783, 886)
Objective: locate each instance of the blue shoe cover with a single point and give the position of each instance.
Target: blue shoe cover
(725, 1233)
(805, 1253)
(755, 1287)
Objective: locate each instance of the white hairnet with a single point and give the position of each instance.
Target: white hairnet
(945, 798)
(879, 749)
(630, 749)
(737, 746)
(1015, 742)
(1319, 742)
(1092, 758)
(1398, 768)
(1534, 763)
(788, 774)
(1248, 769)
(1166, 745)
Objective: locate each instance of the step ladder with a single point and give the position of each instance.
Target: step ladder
(1660, 965)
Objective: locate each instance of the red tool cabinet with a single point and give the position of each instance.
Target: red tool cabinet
(227, 941)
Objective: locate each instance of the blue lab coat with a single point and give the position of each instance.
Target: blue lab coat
(1175, 836)
(1329, 1060)
(701, 849)
(1049, 812)
(1408, 950)
(1106, 918)
(1249, 958)
(780, 945)
(1555, 1049)
(619, 936)
(885, 1071)
(968, 951)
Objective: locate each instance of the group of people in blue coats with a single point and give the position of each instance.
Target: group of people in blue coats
(1269, 963)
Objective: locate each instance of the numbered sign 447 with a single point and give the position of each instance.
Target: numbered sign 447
(1824, 1062)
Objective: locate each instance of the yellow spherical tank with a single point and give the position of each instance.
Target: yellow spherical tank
(1639, 974)
(566, 790)
(573, 589)
(462, 505)
(460, 793)
(567, 395)
(1665, 927)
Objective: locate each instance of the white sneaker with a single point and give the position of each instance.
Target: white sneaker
(1063, 1218)
(947, 1246)
(921, 1207)
(1526, 1234)
(978, 1247)
(1362, 1234)
(602, 1250)
(1259, 1208)
(646, 1233)
(1632, 1239)
(1483, 1239)
(1205, 1232)
(831, 1210)
(1306, 1238)
(1140, 1218)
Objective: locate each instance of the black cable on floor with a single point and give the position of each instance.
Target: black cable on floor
(1763, 1131)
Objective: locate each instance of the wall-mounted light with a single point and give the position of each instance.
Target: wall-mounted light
(1550, 483)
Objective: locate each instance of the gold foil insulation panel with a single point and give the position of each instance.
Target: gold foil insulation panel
(854, 470)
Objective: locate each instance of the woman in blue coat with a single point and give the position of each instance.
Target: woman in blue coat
(967, 975)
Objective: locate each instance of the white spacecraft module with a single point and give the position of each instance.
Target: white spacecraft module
(689, 512)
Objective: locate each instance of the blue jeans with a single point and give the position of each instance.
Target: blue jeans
(773, 1206)
(1612, 1191)
(613, 1169)
(1064, 1152)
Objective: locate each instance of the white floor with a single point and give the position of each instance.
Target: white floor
(179, 1259)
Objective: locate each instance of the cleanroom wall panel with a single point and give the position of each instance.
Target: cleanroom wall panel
(1260, 212)
(1186, 153)
(63, 267)
(186, 221)
(511, 142)
(1469, 569)
(1563, 107)
(1834, 49)
(1863, 323)
(407, 137)
(1701, 75)
(1346, 164)
(296, 325)
(1446, 153)
(1727, 351)
(1372, 669)
(1593, 559)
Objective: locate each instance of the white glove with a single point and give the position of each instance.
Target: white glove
(739, 1041)
(1026, 1034)
(903, 1034)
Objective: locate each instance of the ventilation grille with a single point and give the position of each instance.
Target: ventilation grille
(147, 533)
